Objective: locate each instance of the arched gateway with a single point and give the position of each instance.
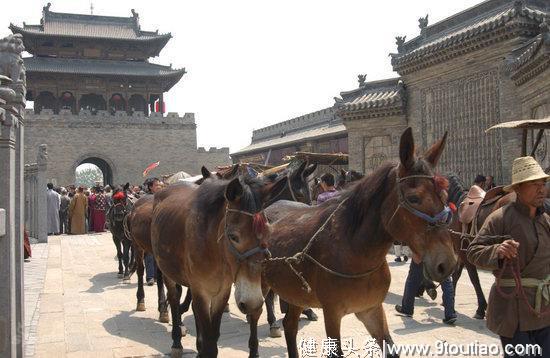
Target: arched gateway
(101, 95)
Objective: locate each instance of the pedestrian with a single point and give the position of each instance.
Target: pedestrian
(399, 250)
(71, 196)
(329, 191)
(489, 182)
(77, 212)
(91, 206)
(480, 181)
(527, 244)
(98, 210)
(64, 212)
(52, 204)
(414, 281)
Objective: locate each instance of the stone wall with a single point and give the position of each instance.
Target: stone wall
(465, 96)
(126, 143)
(373, 141)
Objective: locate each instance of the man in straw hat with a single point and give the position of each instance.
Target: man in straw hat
(525, 221)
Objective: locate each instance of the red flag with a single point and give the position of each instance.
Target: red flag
(149, 168)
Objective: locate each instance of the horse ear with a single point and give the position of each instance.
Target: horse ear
(126, 186)
(234, 190)
(205, 172)
(274, 190)
(309, 170)
(433, 154)
(406, 149)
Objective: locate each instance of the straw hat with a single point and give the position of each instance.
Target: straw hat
(525, 169)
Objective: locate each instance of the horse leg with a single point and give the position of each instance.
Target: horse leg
(290, 324)
(116, 240)
(374, 320)
(457, 273)
(140, 294)
(126, 259)
(333, 321)
(184, 307)
(174, 296)
(163, 303)
(481, 302)
(253, 339)
(274, 328)
(206, 338)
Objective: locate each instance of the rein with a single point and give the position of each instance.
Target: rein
(517, 282)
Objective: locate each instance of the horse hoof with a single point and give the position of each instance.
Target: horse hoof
(126, 280)
(140, 307)
(479, 315)
(183, 330)
(311, 316)
(176, 353)
(275, 332)
(164, 317)
(120, 275)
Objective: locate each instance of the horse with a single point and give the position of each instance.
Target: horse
(140, 233)
(345, 178)
(208, 237)
(494, 199)
(333, 256)
(115, 216)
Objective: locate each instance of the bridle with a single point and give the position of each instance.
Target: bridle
(440, 220)
(243, 256)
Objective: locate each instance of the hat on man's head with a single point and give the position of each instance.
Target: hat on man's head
(526, 169)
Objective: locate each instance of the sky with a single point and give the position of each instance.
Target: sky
(253, 63)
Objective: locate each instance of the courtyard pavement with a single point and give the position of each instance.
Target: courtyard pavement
(77, 307)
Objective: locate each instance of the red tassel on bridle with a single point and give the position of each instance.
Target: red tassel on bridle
(259, 223)
(119, 196)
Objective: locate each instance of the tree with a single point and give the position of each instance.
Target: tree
(88, 176)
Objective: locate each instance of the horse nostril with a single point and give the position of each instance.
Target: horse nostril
(441, 269)
(242, 306)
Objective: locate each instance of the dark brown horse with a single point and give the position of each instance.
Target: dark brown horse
(120, 208)
(493, 200)
(207, 238)
(345, 267)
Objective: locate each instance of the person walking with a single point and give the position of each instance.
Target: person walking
(77, 212)
(518, 235)
(329, 191)
(98, 210)
(64, 212)
(52, 203)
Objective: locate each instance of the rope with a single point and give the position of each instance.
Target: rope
(519, 290)
(300, 256)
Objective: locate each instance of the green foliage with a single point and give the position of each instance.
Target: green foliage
(89, 176)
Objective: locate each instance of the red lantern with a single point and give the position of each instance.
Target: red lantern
(116, 98)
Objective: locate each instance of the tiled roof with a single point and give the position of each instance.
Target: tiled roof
(89, 26)
(457, 32)
(530, 59)
(102, 67)
(372, 95)
(296, 137)
(527, 51)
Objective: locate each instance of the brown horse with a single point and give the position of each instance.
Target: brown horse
(207, 238)
(345, 267)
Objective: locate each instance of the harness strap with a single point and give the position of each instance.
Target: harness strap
(243, 256)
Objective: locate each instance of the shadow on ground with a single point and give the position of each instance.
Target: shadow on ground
(104, 281)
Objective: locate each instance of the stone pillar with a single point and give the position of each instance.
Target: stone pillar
(41, 207)
(12, 109)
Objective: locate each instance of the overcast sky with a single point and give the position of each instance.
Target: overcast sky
(254, 63)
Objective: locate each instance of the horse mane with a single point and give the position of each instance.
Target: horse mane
(457, 190)
(366, 196)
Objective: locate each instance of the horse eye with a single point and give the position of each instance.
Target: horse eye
(413, 199)
(233, 237)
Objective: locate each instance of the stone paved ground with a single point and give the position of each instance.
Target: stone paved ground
(83, 310)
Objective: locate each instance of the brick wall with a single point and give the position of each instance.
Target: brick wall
(127, 143)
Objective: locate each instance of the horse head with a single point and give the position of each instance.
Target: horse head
(247, 229)
(297, 186)
(422, 216)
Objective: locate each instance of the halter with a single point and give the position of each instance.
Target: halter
(242, 256)
(441, 219)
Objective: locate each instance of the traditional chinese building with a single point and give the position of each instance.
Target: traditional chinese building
(321, 132)
(98, 99)
(485, 65)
